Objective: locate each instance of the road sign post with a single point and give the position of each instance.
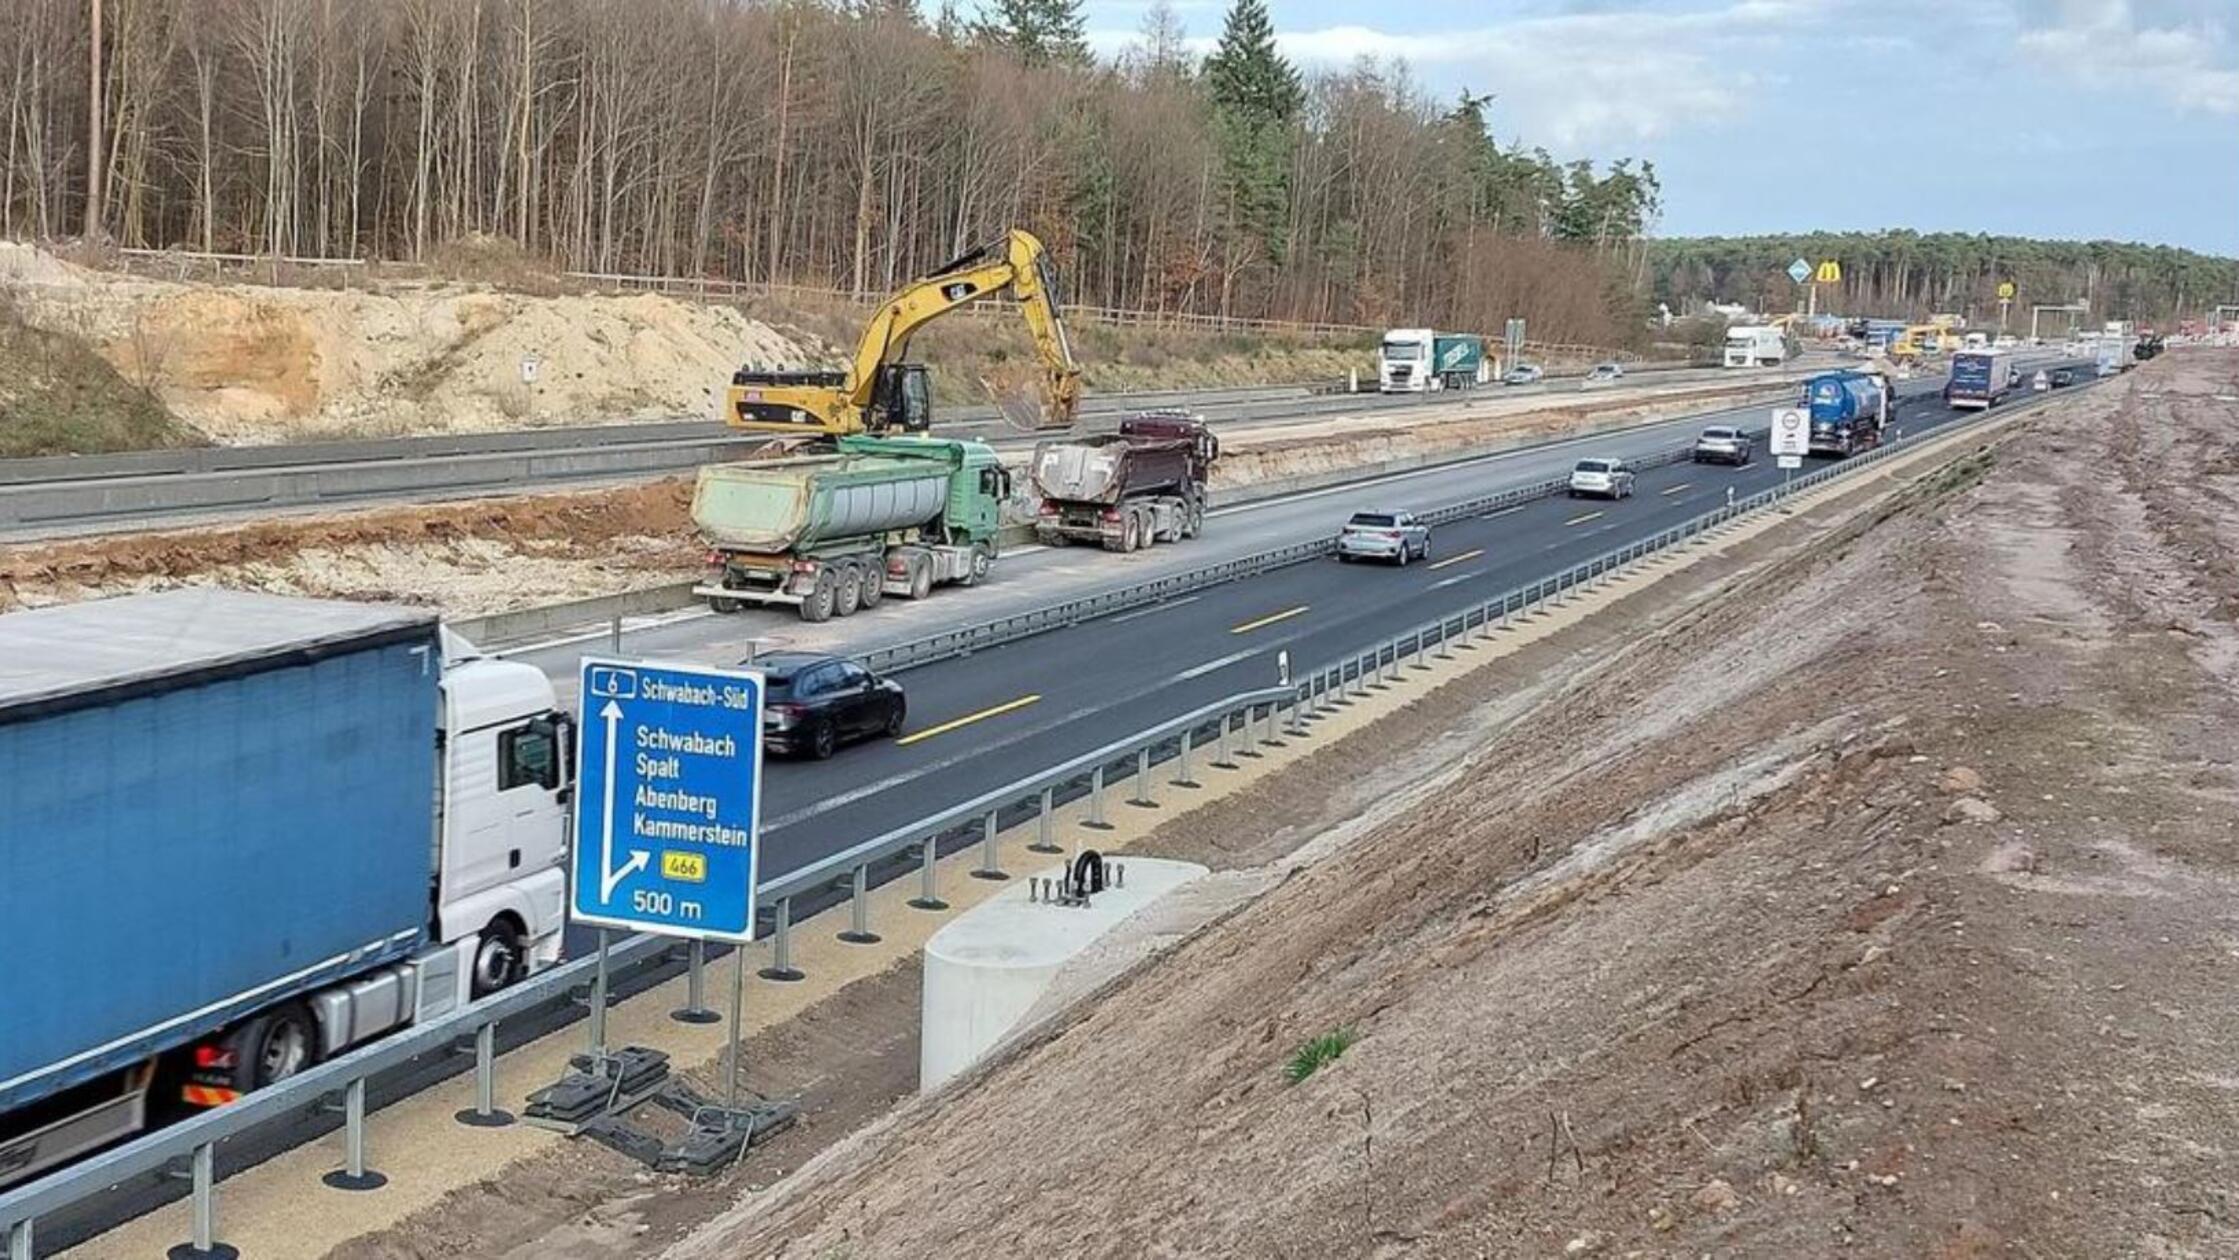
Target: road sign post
(668, 809)
(1790, 440)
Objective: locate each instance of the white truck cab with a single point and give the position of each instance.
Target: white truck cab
(1403, 363)
(501, 814)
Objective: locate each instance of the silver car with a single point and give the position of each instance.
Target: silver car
(1605, 372)
(1602, 478)
(1523, 374)
(1723, 444)
(1394, 536)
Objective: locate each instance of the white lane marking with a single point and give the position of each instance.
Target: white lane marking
(1199, 671)
(1459, 577)
(1159, 607)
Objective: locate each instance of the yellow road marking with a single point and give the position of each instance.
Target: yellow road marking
(1581, 520)
(1676, 489)
(1467, 555)
(1269, 620)
(969, 718)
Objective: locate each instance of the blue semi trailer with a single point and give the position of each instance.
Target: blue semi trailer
(220, 865)
(1980, 378)
(1848, 411)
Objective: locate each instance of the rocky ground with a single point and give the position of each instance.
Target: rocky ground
(1876, 902)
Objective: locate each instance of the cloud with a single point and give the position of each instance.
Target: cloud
(1584, 75)
(1580, 79)
(2182, 53)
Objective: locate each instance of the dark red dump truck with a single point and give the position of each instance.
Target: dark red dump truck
(1126, 490)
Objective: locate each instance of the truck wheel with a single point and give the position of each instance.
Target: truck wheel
(724, 607)
(1132, 540)
(847, 592)
(499, 960)
(874, 587)
(921, 577)
(818, 604)
(1196, 523)
(273, 1047)
(976, 568)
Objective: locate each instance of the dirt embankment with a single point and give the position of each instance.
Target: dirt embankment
(1877, 904)
(467, 559)
(251, 364)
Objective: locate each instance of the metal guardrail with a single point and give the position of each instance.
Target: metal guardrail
(1378, 666)
(191, 1148)
(1237, 725)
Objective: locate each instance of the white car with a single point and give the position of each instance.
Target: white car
(1605, 372)
(1602, 478)
(1394, 536)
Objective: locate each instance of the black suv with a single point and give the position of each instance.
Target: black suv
(815, 703)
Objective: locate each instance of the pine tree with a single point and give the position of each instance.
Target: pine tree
(1248, 77)
(1256, 96)
(1038, 32)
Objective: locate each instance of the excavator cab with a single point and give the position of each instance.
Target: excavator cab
(902, 401)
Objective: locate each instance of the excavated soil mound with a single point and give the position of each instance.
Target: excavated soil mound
(1876, 904)
(251, 364)
(465, 558)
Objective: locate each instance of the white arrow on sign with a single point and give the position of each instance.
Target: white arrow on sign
(608, 876)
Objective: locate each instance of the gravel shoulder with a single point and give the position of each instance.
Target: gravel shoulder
(1876, 900)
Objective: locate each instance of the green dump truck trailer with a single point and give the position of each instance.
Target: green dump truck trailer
(831, 533)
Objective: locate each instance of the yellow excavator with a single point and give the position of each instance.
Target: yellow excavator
(882, 393)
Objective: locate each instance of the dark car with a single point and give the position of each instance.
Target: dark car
(2062, 378)
(815, 703)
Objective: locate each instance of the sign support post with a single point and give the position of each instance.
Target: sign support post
(668, 821)
(1791, 441)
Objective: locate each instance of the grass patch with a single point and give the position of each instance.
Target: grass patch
(1316, 1053)
(59, 397)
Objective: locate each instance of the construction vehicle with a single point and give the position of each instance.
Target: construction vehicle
(1126, 490)
(836, 531)
(880, 392)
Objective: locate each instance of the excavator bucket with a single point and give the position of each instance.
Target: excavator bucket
(1018, 392)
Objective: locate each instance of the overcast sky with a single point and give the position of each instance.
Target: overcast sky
(2061, 118)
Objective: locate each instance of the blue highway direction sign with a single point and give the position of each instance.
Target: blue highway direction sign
(668, 799)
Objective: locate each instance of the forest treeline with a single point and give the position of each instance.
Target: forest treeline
(844, 143)
(1900, 274)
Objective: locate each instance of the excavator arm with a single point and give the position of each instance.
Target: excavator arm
(880, 391)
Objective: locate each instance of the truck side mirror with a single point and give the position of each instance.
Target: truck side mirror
(559, 771)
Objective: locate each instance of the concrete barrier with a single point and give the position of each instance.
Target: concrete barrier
(502, 629)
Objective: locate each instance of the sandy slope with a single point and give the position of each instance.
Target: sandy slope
(250, 364)
(1880, 905)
